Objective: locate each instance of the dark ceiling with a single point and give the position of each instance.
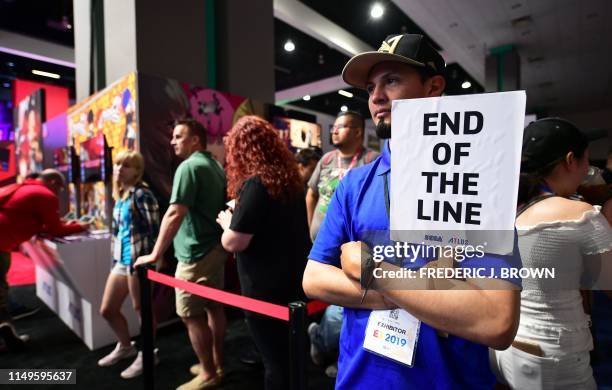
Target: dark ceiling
(12, 67)
(331, 103)
(50, 20)
(354, 16)
(312, 60)
(303, 65)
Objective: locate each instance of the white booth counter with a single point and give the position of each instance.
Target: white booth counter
(71, 273)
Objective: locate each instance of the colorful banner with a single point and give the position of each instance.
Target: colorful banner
(218, 111)
(163, 101)
(111, 112)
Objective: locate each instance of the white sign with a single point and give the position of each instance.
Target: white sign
(455, 169)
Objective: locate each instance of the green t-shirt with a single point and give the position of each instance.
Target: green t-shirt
(199, 183)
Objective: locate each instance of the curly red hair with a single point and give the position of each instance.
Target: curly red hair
(253, 148)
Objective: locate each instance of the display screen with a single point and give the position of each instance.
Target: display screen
(5, 156)
(299, 134)
(29, 117)
(93, 204)
(63, 162)
(92, 160)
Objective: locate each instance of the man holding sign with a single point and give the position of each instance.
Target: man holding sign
(429, 339)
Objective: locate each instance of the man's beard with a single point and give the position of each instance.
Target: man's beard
(337, 144)
(383, 130)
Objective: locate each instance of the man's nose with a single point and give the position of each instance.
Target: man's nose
(378, 95)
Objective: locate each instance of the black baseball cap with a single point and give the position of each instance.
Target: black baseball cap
(548, 140)
(412, 49)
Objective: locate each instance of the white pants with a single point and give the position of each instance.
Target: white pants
(555, 370)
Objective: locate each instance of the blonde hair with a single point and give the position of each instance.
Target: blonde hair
(136, 160)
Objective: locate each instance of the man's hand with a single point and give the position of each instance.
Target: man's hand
(144, 260)
(85, 225)
(350, 258)
(224, 219)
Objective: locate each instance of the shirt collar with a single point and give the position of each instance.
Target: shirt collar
(385, 161)
(204, 152)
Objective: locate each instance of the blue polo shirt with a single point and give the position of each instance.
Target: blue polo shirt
(356, 209)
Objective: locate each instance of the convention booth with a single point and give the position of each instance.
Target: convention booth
(135, 112)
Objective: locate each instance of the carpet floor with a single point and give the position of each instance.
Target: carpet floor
(54, 345)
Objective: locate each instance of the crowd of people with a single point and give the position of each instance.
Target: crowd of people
(295, 225)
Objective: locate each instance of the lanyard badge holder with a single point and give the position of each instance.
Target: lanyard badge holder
(392, 334)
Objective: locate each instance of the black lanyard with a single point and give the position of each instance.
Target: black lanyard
(387, 200)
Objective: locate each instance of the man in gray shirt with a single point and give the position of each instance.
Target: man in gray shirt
(347, 136)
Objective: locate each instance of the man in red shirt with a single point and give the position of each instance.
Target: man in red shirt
(27, 209)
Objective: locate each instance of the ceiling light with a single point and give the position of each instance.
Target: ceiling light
(344, 108)
(466, 85)
(45, 74)
(306, 97)
(6, 85)
(377, 11)
(289, 46)
(345, 93)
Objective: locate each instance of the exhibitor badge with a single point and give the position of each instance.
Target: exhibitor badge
(392, 334)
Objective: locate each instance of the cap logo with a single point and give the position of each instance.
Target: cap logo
(389, 45)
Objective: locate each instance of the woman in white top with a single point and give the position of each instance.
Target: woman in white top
(551, 348)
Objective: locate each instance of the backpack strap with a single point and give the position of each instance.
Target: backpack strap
(533, 201)
(328, 157)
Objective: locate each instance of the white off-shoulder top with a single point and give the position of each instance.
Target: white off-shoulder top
(556, 304)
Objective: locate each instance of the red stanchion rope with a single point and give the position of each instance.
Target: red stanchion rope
(242, 302)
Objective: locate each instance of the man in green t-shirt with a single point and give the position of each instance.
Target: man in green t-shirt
(198, 195)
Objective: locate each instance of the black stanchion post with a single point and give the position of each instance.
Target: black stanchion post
(146, 328)
(297, 345)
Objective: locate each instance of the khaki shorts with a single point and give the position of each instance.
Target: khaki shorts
(208, 271)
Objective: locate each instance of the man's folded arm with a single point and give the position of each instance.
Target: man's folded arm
(488, 317)
(328, 283)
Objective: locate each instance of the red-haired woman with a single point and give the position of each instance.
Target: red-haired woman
(268, 231)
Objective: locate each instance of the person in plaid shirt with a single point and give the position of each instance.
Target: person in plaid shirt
(135, 229)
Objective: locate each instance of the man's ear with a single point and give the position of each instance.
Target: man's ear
(195, 141)
(570, 159)
(435, 85)
(360, 132)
